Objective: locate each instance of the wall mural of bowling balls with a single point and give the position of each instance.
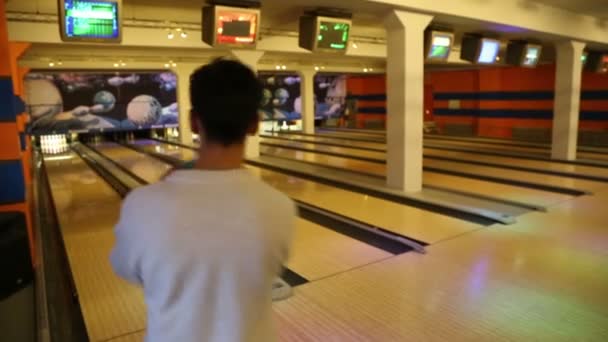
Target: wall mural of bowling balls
(68, 101)
(330, 95)
(281, 97)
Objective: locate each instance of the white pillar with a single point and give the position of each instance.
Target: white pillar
(567, 99)
(183, 72)
(307, 91)
(251, 59)
(405, 99)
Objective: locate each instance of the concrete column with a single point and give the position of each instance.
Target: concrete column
(183, 72)
(251, 59)
(405, 102)
(307, 92)
(567, 100)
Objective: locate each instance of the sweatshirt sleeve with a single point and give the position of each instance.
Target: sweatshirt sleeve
(126, 254)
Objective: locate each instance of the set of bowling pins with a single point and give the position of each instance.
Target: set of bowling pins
(54, 143)
(172, 133)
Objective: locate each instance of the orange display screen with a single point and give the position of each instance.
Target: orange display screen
(233, 27)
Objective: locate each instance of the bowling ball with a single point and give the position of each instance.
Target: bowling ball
(43, 98)
(266, 96)
(144, 110)
(106, 99)
(281, 95)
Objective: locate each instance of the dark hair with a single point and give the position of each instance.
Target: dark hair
(226, 96)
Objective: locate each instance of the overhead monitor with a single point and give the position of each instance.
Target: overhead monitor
(584, 57)
(523, 54)
(90, 20)
(231, 26)
(488, 51)
(479, 50)
(597, 62)
(325, 34)
(439, 45)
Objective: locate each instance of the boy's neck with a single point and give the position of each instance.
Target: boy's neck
(214, 156)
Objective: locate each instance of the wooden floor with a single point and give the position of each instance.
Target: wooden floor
(544, 278)
(317, 252)
(544, 179)
(461, 155)
(408, 221)
(513, 193)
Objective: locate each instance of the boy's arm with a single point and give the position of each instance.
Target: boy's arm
(125, 258)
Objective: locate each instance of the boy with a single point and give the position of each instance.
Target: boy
(206, 243)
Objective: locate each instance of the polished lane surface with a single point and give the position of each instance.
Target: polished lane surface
(317, 251)
(541, 165)
(87, 209)
(464, 184)
(408, 221)
(487, 144)
(544, 179)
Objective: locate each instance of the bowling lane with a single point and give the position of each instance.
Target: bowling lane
(495, 145)
(87, 209)
(466, 156)
(534, 177)
(317, 252)
(528, 163)
(411, 222)
(352, 135)
(378, 146)
(150, 170)
(484, 188)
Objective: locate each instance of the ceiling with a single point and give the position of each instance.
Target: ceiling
(282, 16)
(596, 8)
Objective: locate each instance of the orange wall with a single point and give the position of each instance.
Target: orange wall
(511, 80)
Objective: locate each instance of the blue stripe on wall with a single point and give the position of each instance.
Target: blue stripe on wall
(517, 95)
(504, 95)
(19, 105)
(594, 115)
(13, 182)
(22, 140)
(370, 97)
(7, 100)
(516, 113)
(496, 113)
(372, 110)
(595, 95)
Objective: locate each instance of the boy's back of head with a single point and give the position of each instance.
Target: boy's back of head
(225, 97)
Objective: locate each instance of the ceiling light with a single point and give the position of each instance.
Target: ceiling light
(116, 65)
(355, 46)
(174, 64)
(51, 64)
(365, 69)
(59, 63)
(317, 68)
(283, 67)
(183, 34)
(122, 63)
(170, 35)
(371, 69)
(278, 67)
(497, 58)
(166, 65)
(178, 29)
(322, 68)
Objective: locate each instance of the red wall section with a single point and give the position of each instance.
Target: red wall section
(367, 85)
(509, 79)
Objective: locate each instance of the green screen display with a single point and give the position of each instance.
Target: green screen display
(440, 47)
(333, 35)
(91, 19)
